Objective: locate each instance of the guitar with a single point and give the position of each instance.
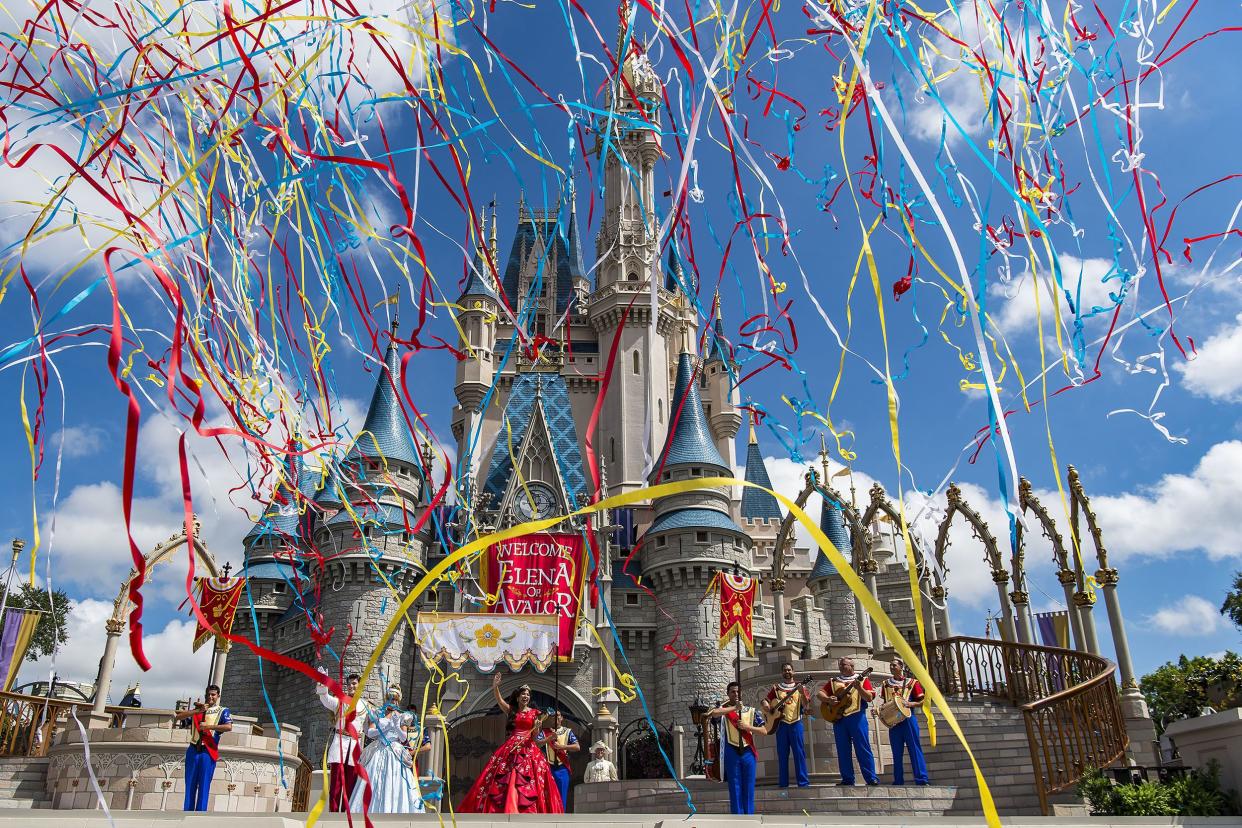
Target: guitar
(833, 710)
(778, 706)
(208, 738)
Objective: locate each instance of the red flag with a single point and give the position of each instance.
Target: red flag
(737, 607)
(218, 598)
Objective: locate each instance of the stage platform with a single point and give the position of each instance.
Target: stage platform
(156, 819)
(665, 797)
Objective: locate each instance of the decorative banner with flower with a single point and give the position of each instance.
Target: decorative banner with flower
(541, 573)
(488, 639)
(737, 608)
(217, 597)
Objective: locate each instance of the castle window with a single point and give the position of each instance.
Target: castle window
(633, 277)
(661, 541)
(612, 449)
(278, 588)
(660, 409)
(696, 472)
(638, 364)
(700, 537)
(631, 599)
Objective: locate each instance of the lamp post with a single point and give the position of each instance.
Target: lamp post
(697, 711)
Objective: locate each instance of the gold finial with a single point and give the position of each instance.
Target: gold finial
(18, 546)
(753, 440)
(823, 457)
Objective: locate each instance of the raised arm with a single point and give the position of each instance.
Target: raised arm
(325, 698)
(182, 715)
(500, 700)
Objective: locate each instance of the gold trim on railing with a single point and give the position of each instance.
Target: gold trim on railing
(1068, 701)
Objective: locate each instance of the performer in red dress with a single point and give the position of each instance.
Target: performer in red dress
(517, 779)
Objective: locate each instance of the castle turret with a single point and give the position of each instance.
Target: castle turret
(722, 400)
(477, 313)
(692, 538)
(833, 597)
(363, 542)
(761, 514)
(634, 420)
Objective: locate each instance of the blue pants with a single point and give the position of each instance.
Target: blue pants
(561, 774)
(901, 737)
(739, 768)
(199, 768)
(851, 732)
(789, 738)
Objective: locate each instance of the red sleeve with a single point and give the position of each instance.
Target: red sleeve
(806, 692)
(916, 692)
(771, 695)
(866, 685)
(827, 688)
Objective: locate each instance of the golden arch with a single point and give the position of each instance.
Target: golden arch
(162, 553)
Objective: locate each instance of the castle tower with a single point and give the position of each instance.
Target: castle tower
(273, 561)
(361, 560)
(635, 418)
(692, 538)
(760, 512)
(477, 313)
(722, 401)
(832, 596)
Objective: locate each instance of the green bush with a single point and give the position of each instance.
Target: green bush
(1198, 793)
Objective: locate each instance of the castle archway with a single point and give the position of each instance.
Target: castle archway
(122, 607)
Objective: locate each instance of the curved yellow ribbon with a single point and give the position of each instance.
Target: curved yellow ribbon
(870, 604)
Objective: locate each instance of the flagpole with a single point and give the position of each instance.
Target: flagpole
(18, 546)
(737, 639)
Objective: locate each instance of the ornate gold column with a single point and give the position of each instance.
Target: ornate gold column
(777, 586)
(103, 679)
(1000, 577)
(868, 568)
(940, 595)
(1068, 582)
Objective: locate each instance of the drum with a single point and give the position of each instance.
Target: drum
(893, 713)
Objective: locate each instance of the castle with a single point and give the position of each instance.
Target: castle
(527, 395)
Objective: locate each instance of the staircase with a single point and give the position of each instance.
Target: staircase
(996, 733)
(23, 783)
(1038, 719)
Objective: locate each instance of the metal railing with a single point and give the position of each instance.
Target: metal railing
(1068, 701)
(29, 724)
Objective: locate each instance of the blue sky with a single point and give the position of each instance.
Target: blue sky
(1165, 502)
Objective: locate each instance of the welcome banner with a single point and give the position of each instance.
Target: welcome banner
(538, 575)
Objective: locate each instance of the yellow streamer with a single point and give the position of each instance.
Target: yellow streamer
(843, 566)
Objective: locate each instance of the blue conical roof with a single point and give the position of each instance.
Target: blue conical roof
(832, 523)
(756, 503)
(385, 434)
(479, 282)
(674, 273)
(284, 513)
(690, 441)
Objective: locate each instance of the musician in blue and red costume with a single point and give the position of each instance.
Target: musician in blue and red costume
(904, 736)
(559, 742)
(208, 719)
(739, 724)
(787, 702)
(850, 731)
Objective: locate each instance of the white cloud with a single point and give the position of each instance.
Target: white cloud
(1189, 616)
(1213, 372)
(175, 671)
(1083, 278)
(1179, 513)
(81, 441)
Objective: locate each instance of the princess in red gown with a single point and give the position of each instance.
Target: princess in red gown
(517, 779)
